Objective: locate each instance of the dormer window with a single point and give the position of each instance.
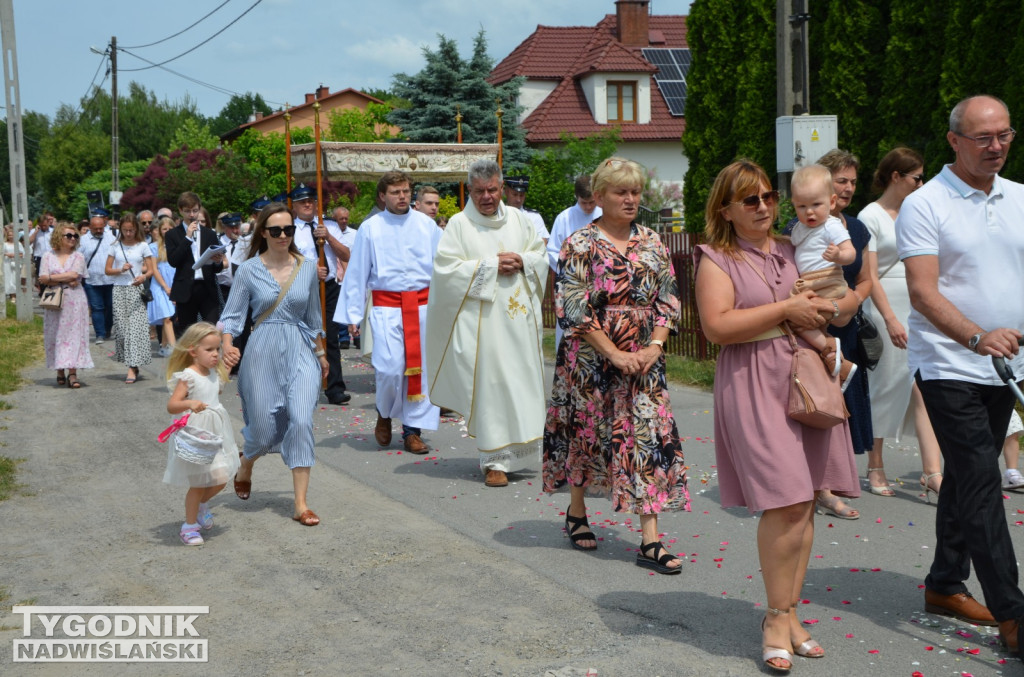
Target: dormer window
(621, 101)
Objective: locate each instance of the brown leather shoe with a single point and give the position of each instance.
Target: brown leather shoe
(960, 606)
(382, 433)
(414, 445)
(496, 478)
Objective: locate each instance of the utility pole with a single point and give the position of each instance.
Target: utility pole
(793, 94)
(15, 142)
(115, 151)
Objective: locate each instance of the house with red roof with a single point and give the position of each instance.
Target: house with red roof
(628, 71)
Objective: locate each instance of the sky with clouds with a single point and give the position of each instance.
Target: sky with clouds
(281, 49)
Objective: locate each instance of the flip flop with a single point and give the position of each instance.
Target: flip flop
(308, 518)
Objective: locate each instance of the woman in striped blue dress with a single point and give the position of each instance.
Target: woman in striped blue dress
(279, 378)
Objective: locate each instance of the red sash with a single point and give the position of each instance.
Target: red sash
(409, 302)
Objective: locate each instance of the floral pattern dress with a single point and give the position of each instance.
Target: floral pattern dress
(66, 331)
(610, 432)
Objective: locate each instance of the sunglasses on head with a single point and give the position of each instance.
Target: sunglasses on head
(275, 231)
(754, 201)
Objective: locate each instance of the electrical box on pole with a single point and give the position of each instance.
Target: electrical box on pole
(800, 140)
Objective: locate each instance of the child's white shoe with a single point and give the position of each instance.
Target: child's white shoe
(190, 534)
(205, 517)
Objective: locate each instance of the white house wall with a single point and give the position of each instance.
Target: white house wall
(532, 94)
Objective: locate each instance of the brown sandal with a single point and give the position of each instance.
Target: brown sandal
(308, 518)
(73, 381)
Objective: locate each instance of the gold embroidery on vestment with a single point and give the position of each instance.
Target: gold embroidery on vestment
(514, 306)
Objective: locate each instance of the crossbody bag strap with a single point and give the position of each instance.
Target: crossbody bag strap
(280, 297)
(93, 255)
(784, 326)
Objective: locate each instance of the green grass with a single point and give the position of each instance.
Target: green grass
(680, 370)
(21, 344)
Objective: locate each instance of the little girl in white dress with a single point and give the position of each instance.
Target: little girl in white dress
(195, 374)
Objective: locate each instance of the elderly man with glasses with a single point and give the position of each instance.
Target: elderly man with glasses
(961, 238)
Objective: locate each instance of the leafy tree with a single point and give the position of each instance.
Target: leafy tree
(236, 112)
(66, 157)
(145, 124)
(553, 171)
(730, 104)
(190, 135)
(916, 36)
(387, 97)
(268, 151)
(224, 181)
(358, 125)
(446, 81)
(35, 129)
(78, 207)
(854, 37)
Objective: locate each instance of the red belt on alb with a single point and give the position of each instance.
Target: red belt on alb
(409, 302)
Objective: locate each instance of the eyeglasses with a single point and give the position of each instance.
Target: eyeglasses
(752, 202)
(986, 140)
(918, 178)
(71, 236)
(275, 231)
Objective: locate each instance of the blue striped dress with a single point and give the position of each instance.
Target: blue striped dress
(279, 377)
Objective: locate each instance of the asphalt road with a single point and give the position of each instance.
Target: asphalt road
(417, 568)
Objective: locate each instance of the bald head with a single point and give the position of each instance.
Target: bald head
(97, 224)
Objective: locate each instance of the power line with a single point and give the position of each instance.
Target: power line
(169, 37)
(216, 88)
(173, 58)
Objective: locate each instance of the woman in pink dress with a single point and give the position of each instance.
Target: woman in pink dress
(766, 461)
(66, 331)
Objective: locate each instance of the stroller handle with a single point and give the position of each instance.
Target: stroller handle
(1003, 368)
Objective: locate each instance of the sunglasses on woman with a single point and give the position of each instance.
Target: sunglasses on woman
(71, 236)
(275, 231)
(752, 202)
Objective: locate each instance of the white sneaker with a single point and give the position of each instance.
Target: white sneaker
(1012, 479)
(99, 340)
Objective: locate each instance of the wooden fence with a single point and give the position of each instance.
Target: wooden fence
(689, 341)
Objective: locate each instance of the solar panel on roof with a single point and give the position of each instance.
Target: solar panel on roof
(673, 65)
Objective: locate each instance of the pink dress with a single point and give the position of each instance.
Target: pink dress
(765, 459)
(66, 331)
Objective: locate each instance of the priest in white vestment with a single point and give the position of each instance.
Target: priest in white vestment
(484, 327)
(388, 276)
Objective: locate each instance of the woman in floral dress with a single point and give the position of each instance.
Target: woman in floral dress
(610, 428)
(66, 331)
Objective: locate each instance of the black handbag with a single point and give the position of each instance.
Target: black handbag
(869, 340)
(145, 294)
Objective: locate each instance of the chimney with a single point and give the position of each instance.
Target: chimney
(632, 17)
(322, 91)
(259, 115)
(310, 98)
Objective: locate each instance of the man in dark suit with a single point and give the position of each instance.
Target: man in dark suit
(194, 291)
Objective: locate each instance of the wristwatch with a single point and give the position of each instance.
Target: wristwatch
(973, 342)
(659, 343)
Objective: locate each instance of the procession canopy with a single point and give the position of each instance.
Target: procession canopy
(344, 161)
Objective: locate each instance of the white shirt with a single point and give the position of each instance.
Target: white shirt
(567, 223)
(133, 254)
(231, 252)
(306, 244)
(392, 252)
(347, 238)
(41, 245)
(979, 242)
(538, 222)
(811, 243)
(95, 274)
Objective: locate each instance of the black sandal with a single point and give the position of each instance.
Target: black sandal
(73, 381)
(61, 379)
(573, 531)
(656, 562)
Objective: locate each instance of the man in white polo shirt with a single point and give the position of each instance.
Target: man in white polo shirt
(961, 238)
